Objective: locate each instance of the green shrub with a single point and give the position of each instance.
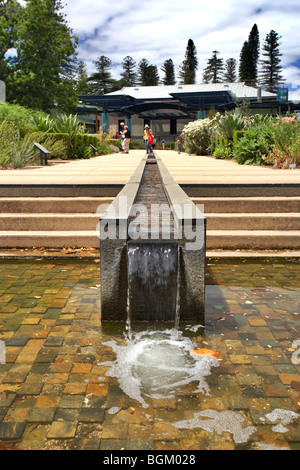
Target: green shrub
(228, 124)
(223, 151)
(172, 145)
(19, 116)
(237, 135)
(24, 152)
(254, 146)
(9, 135)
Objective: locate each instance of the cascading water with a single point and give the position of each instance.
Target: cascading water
(152, 282)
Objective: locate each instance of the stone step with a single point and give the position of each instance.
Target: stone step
(256, 239)
(52, 205)
(216, 239)
(89, 221)
(46, 239)
(252, 221)
(249, 204)
(49, 222)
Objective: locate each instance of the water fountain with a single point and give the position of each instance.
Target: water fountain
(152, 250)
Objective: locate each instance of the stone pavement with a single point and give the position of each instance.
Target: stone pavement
(117, 168)
(209, 170)
(55, 393)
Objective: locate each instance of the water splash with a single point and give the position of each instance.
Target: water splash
(155, 364)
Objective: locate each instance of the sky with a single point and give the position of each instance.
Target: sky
(158, 30)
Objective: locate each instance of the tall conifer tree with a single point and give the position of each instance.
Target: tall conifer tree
(271, 77)
(101, 81)
(248, 68)
(147, 74)
(129, 71)
(214, 72)
(169, 73)
(188, 68)
(230, 71)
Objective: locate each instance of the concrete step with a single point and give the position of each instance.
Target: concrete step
(248, 204)
(256, 239)
(216, 239)
(252, 221)
(52, 205)
(88, 221)
(46, 239)
(49, 222)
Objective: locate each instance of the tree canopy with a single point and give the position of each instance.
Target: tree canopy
(270, 77)
(214, 72)
(43, 71)
(248, 68)
(188, 68)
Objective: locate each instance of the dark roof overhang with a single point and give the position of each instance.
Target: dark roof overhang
(108, 102)
(205, 100)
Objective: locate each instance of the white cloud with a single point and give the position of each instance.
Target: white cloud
(159, 29)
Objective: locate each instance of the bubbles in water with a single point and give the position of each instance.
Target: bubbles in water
(155, 364)
(219, 422)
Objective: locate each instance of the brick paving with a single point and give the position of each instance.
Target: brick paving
(54, 390)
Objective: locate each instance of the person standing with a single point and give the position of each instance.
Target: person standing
(179, 144)
(148, 138)
(122, 134)
(127, 137)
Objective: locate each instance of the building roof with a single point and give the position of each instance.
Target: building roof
(237, 90)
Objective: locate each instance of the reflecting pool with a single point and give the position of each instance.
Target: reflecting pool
(68, 382)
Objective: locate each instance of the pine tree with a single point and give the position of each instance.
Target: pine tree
(245, 68)
(44, 68)
(253, 41)
(230, 71)
(82, 85)
(215, 69)
(129, 71)
(188, 68)
(142, 72)
(271, 77)
(101, 81)
(147, 74)
(249, 58)
(168, 69)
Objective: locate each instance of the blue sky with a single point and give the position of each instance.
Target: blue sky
(158, 30)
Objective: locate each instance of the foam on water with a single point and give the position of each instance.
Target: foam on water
(155, 364)
(219, 422)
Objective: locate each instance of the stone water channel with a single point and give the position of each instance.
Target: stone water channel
(153, 277)
(151, 269)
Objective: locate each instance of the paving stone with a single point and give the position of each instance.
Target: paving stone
(11, 430)
(91, 415)
(41, 415)
(62, 430)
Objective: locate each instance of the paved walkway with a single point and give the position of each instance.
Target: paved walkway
(208, 170)
(117, 169)
(112, 169)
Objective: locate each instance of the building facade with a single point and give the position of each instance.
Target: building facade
(167, 109)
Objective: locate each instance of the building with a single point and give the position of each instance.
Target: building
(167, 109)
